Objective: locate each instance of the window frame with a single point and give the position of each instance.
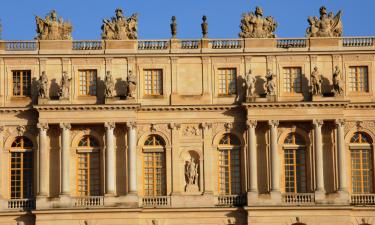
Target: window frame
(291, 83)
(357, 83)
(87, 85)
(159, 91)
(21, 83)
(227, 81)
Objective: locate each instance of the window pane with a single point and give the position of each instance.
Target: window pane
(153, 82)
(227, 81)
(358, 79)
(292, 80)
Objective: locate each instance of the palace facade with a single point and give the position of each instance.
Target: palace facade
(258, 130)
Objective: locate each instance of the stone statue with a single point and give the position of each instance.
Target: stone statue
(64, 92)
(204, 26)
(327, 25)
(174, 27)
(336, 80)
(316, 82)
(132, 84)
(254, 25)
(43, 85)
(109, 85)
(120, 27)
(250, 84)
(191, 174)
(53, 28)
(270, 83)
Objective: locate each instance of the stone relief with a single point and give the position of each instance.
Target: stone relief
(109, 85)
(316, 82)
(337, 82)
(270, 83)
(327, 25)
(250, 84)
(53, 28)
(43, 86)
(191, 130)
(254, 25)
(204, 26)
(132, 84)
(360, 125)
(64, 92)
(120, 27)
(191, 175)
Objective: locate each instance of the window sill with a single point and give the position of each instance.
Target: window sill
(20, 98)
(153, 96)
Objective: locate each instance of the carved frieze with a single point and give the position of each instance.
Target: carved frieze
(191, 130)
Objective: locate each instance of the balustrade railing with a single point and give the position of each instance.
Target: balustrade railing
(231, 200)
(291, 43)
(298, 198)
(87, 45)
(362, 199)
(90, 201)
(190, 44)
(21, 204)
(226, 44)
(156, 201)
(357, 41)
(153, 45)
(21, 45)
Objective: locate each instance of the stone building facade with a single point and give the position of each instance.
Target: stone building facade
(171, 132)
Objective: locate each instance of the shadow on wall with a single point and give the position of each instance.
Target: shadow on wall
(28, 219)
(120, 88)
(237, 217)
(54, 90)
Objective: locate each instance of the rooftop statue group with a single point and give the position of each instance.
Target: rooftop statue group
(253, 25)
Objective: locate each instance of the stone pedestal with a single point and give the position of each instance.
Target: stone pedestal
(320, 196)
(252, 198)
(320, 98)
(44, 101)
(192, 201)
(251, 99)
(271, 98)
(192, 188)
(118, 100)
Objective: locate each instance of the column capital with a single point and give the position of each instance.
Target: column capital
(273, 123)
(317, 123)
(251, 123)
(174, 126)
(131, 125)
(340, 122)
(109, 125)
(206, 126)
(66, 126)
(42, 126)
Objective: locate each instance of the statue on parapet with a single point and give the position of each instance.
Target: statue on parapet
(109, 85)
(120, 27)
(43, 86)
(250, 84)
(64, 92)
(270, 83)
(254, 25)
(337, 82)
(316, 82)
(53, 28)
(327, 25)
(132, 84)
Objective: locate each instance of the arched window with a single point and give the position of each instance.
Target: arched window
(88, 167)
(154, 176)
(361, 162)
(229, 165)
(21, 169)
(295, 164)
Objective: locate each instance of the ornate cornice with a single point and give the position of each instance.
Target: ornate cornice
(14, 109)
(86, 107)
(282, 105)
(188, 108)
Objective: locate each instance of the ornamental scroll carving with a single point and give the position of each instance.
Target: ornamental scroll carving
(120, 27)
(327, 25)
(53, 28)
(254, 25)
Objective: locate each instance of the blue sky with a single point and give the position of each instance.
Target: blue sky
(154, 16)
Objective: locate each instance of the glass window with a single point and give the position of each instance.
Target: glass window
(358, 79)
(295, 164)
(88, 167)
(292, 80)
(87, 82)
(154, 174)
(22, 83)
(229, 165)
(153, 81)
(361, 162)
(21, 169)
(227, 81)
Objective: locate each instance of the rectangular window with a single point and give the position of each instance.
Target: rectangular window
(227, 81)
(153, 81)
(87, 82)
(21, 175)
(292, 80)
(229, 172)
(362, 171)
(295, 172)
(88, 179)
(154, 173)
(22, 83)
(358, 79)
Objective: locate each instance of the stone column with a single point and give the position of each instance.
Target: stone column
(275, 167)
(65, 158)
(208, 164)
(252, 151)
(318, 156)
(110, 162)
(177, 186)
(341, 158)
(132, 157)
(43, 160)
